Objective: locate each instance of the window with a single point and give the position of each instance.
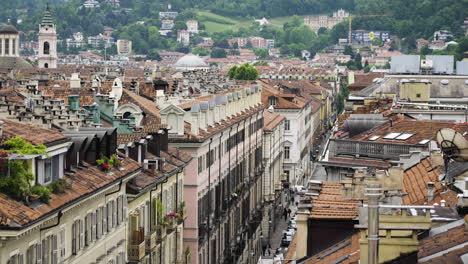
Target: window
(7, 46)
(392, 135)
(16, 259)
(272, 100)
(374, 138)
(287, 125)
(404, 136)
(418, 95)
(31, 255)
(286, 152)
(13, 48)
(46, 48)
(51, 169)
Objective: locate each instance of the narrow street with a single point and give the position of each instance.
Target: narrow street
(275, 239)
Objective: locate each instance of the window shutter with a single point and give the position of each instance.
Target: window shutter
(39, 253)
(93, 229)
(82, 236)
(54, 250)
(109, 217)
(124, 212)
(45, 250)
(20, 259)
(114, 213)
(118, 212)
(104, 219)
(98, 223)
(88, 229)
(74, 240)
(62, 245)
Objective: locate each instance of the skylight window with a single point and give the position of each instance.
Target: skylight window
(404, 136)
(392, 135)
(373, 138)
(424, 141)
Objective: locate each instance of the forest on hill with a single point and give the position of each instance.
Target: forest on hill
(406, 19)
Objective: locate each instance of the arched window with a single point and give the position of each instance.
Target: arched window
(46, 65)
(46, 48)
(127, 115)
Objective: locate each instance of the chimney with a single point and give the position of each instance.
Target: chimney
(442, 203)
(203, 115)
(75, 81)
(211, 112)
(74, 102)
(194, 119)
(430, 191)
(373, 193)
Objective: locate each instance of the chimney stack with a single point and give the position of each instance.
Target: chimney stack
(430, 191)
(373, 193)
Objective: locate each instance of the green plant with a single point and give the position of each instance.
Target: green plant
(16, 178)
(115, 161)
(59, 186)
(159, 208)
(42, 192)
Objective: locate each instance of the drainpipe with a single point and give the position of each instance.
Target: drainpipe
(373, 193)
(220, 183)
(209, 198)
(229, 188)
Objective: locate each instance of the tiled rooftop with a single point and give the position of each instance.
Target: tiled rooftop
(415, 181)
(83, 182)
(330, 204)
(33, 134)
(344, 252)
(417, 131)
(271, 120)
(444, 243)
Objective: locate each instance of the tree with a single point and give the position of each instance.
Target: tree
(425, 50)
(358, 61)
(234, 52)
(218, 53)
(154, 55)
(243, 72)
(249, 44)
(261, 53)
(321, 31)
(377, 42)
(200, 51)
(348, 51)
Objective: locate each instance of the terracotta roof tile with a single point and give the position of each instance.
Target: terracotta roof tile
(443, 241)
(33, 134)
(330, 204)
(421, 130)
(271, 120)
(415, 181)
(348, 251)
(83, 182)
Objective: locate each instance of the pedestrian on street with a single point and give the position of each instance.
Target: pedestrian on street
(277, 251)
(289, 212)
(285, 214)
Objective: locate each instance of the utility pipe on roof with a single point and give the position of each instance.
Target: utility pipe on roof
(373, 193)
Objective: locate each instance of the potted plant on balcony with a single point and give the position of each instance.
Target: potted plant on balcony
(104, 164)
(115, 161)
(17, 180)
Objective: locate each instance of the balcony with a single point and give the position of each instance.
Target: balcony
(160, 232)
(377, 150)
(136, 252)
(150, 241)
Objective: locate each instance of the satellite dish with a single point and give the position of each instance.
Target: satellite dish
(453, 144)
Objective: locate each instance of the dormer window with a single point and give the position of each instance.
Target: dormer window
(272, 100)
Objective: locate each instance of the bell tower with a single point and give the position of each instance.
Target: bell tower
(47, 42)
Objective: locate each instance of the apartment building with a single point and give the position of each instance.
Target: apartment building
(274, 192)
(85, 220)
(223, 183)
(302, 121)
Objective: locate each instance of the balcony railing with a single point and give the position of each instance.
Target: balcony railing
(378, 150)
(136, 252)
(150, 241)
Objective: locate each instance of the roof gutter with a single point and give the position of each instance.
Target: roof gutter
(81, 198)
